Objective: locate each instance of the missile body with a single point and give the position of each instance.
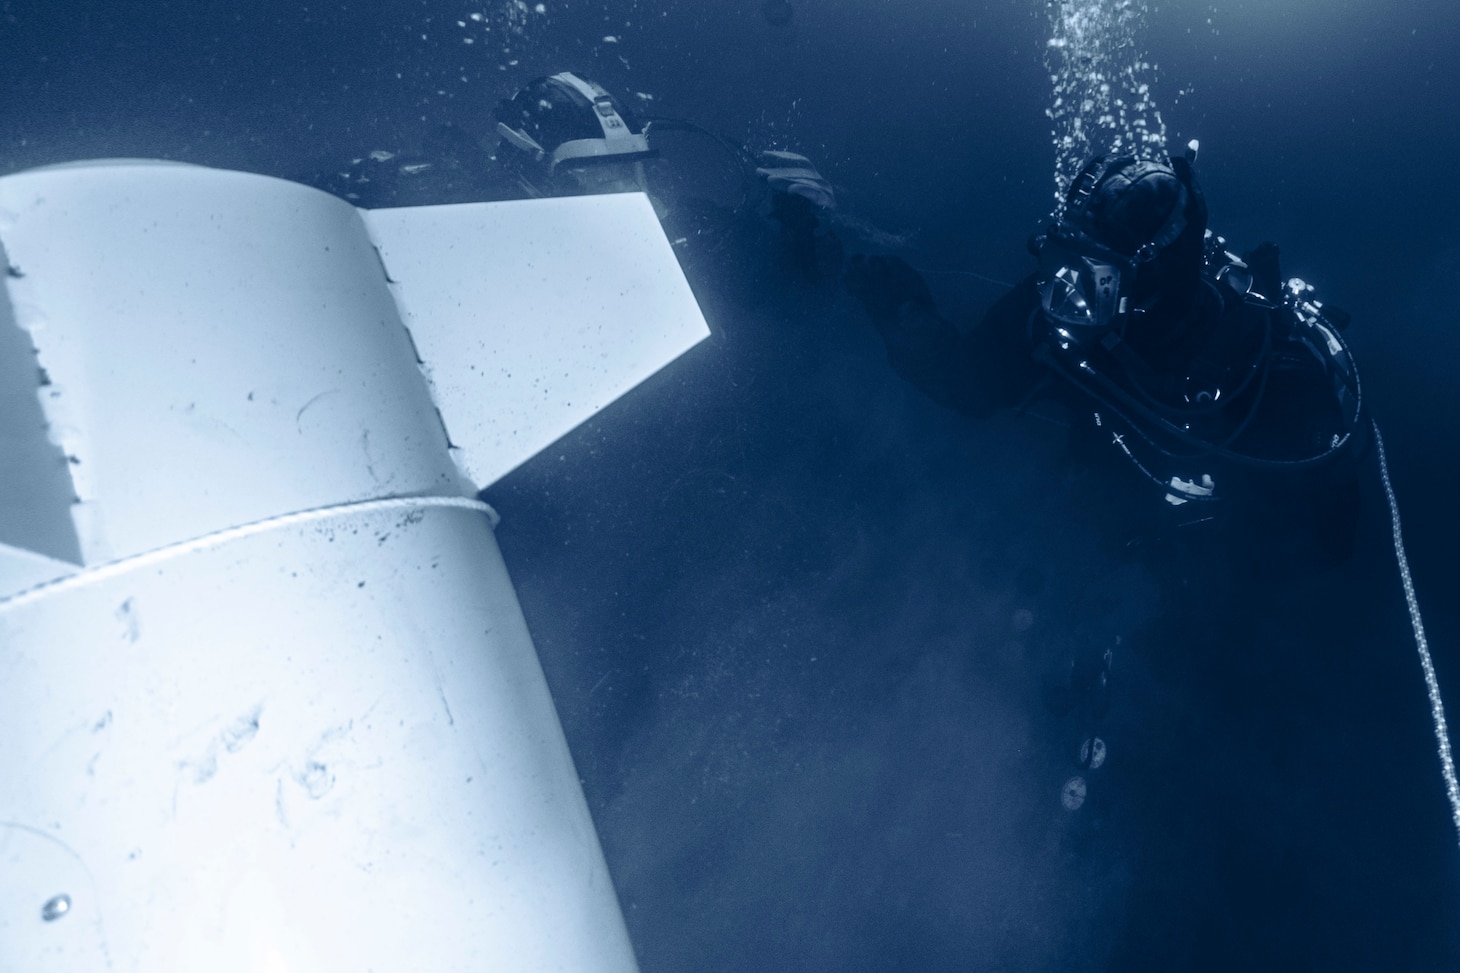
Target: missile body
(267, 699)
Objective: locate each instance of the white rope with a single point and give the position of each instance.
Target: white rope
(1432, 684)
(104, 572)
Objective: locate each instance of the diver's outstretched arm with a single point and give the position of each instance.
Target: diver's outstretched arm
(922, 346)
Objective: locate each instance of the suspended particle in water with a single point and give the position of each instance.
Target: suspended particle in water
(1072, 795)
(56, 907)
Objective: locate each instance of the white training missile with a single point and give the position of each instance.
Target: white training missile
(267, 699)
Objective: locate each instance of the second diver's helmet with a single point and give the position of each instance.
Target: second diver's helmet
(564, 134)
(1128, 240)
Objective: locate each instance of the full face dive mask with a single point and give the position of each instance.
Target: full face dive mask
(1099, 262)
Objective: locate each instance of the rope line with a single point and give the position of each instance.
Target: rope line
(1432, 683)
(105, 572)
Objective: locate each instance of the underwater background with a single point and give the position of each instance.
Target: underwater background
(801, 624)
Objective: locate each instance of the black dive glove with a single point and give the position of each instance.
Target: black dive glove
(795, 175)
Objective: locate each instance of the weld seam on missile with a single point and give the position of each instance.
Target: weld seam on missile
(112, 569)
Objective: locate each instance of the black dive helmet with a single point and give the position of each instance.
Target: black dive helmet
(1128, 239)
(565, 127)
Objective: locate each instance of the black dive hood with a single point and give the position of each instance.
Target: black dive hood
(1129, 240)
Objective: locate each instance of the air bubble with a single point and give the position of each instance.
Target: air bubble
(1097, 72)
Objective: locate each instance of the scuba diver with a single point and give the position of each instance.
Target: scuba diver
(564, 135)
(1214, 416)
(1222, 392)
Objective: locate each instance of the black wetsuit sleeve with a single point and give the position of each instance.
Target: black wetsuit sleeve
(974, 372)
(930, 353)
(1001, 349)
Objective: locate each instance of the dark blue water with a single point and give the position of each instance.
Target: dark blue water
(801, 625)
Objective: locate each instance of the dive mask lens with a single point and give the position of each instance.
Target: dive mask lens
(1077, 291)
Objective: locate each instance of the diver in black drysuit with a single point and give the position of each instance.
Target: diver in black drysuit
(563, 135)
(1215, 424)
(1215, 395)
